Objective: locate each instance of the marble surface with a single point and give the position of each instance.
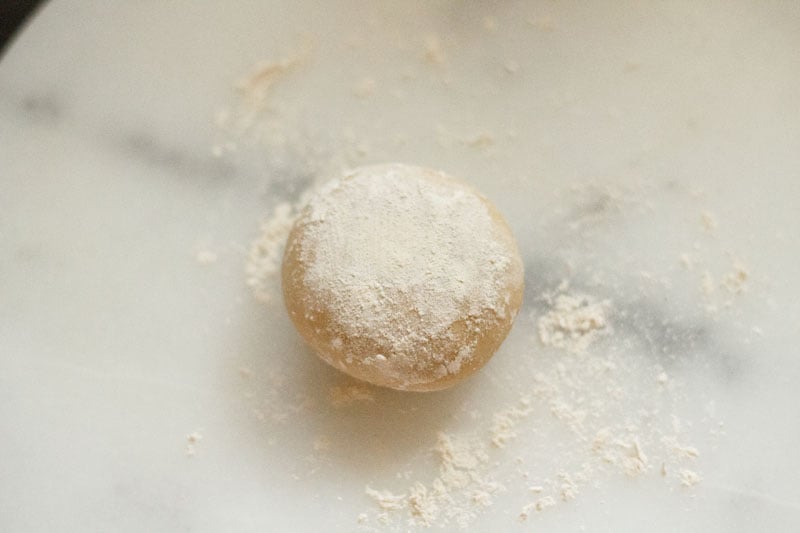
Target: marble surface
(604, 131)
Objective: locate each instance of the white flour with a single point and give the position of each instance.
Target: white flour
(263, 265)
(461, 488)
(344, 395)
(192, 439)
(573, 322)
(398, 259)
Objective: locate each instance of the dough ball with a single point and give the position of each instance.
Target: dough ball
(402, 276)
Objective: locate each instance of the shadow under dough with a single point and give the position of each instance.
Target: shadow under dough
(286, 397)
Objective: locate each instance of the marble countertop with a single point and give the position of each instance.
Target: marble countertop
(647, 156)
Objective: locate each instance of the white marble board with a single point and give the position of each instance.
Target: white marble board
(617, 137)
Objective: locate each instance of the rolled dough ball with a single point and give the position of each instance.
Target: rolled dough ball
(402, 276)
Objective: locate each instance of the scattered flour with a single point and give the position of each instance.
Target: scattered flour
(573, 321)
(734, 281)
(386, 500)
(539, 505)
(730, 284)
(345, 395)
(191, 443)
(709, 221)
(503, 422)
(257, 85)
(689, 478)
(580, 399)
(455, 496)
(263, 265)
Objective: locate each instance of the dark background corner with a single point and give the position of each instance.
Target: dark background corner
(13, 13)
